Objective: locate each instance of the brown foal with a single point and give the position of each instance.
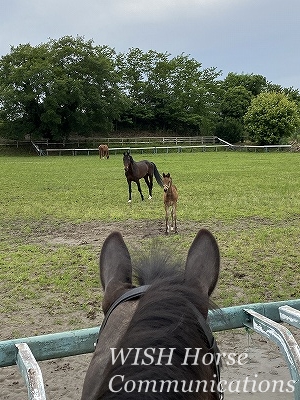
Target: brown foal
(170, 201)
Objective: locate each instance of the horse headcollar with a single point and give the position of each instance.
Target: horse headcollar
(137, 292)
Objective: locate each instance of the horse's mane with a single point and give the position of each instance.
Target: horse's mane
(164, 318)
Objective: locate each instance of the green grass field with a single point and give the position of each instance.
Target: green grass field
(212, 186)
(250, 201)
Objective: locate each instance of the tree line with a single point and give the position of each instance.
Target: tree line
(71, 85)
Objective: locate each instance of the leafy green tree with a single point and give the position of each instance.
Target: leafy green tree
(252, 82)
(230, 129)
(168, 93)
(21, 104)
(234, 104)
(184, 95)
(54, 89)
(236, 93)
(134, 69)
(292, 93)
(271, 117)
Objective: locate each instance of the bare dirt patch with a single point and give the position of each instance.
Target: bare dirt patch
(94, 232)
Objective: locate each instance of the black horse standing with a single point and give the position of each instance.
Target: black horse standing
(134, 171)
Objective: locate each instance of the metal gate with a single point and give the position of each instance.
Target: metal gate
(264, 318)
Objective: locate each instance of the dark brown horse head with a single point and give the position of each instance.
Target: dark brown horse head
(148, 329)
(127, 160)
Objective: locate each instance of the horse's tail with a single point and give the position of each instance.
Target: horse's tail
(157, 176)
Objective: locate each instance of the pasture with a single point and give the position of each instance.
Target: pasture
(55, 213)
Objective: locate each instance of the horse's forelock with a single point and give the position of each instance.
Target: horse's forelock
(158, 265)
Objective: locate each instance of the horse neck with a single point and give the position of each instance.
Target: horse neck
(132, 167)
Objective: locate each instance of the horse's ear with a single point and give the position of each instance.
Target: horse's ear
(164, 175)
(203, 262)
(168, 175)
(115, 268)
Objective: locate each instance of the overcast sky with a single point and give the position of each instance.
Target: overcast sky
(241, 36)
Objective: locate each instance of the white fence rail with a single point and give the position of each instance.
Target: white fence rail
(166, 149)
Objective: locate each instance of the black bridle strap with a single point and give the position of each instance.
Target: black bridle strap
(131, 294)
(213, 347)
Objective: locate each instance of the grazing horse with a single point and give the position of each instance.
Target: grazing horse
(155, 342)
(170, 200)
(103, 151)
(134, 171)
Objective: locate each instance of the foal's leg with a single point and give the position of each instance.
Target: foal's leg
(167, 219)
(174, 218)
(139, 189)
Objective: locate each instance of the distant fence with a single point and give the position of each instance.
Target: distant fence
(115, 142)
(150, 144)
(146, 149)
(168, 149)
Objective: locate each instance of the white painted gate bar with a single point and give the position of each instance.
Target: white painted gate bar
(31, 372)
(290, 315)
(284, 339)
